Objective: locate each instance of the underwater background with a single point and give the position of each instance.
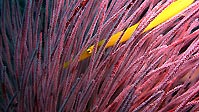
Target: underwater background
(41, 42)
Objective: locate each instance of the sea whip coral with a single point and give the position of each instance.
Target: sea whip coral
(154, 71)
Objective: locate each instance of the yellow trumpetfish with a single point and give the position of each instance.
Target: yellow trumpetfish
(170, 11)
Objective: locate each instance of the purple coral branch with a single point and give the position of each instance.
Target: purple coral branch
(153, 71)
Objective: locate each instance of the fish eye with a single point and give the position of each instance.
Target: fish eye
(89, 51)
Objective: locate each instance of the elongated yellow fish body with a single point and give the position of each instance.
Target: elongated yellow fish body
(170, 11)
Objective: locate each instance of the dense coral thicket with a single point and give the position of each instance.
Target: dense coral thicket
(153, 71)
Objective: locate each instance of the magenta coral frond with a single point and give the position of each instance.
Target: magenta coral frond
(155, 70)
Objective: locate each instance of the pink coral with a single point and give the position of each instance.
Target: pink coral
(154, 71)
